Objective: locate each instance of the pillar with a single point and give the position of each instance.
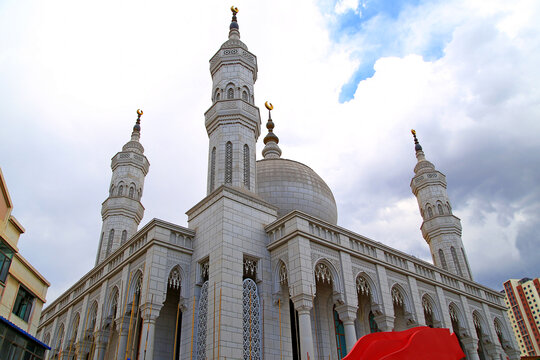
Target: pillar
(303, 304)
(347, 315)
(149, 316)
(384, 322)
(122, 326)
(471, 348)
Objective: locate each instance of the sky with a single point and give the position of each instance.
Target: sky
(348, 80)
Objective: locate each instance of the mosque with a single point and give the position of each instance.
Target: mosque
(263, 271)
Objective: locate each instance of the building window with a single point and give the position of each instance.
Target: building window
(131, 192)
(443, 260)
(6, 254)
(23, 303)
(439, 208)
(230, 93)
(228, 163)
(110, 242)
(430, 212)
(244, 96)
(246, 166)
(455, 258)
(120, 190)
(251, 321)
(213, 169)
(124, 236)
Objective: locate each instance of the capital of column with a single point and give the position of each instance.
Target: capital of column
(347, 313)
(469, 343)
(302, 302)
(384, 322)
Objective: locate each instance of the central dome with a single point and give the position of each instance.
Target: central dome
(290, 185)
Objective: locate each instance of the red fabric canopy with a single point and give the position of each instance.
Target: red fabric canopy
(419, 343)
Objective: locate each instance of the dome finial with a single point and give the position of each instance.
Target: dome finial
(234, 33)
(417, 145)
(137, 126)
(271, 149)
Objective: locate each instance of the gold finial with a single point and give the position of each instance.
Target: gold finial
(234, 10)
(139, 112)
(413, 131)
(269, 105)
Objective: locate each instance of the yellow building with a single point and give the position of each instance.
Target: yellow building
(22, 289)
(523, 301)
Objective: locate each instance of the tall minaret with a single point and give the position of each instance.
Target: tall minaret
(440, 228)
(233, 123)
(122, 211)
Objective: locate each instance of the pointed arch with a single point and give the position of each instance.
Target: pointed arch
(400, 296)
(112, 304)
(230, 91)
(501, 331)
(110, 242)
(131, 193)
(213, 169)
(374, 290)
(59, 338)
(280, 276)
(440, 209)
(74, 328)
(217, 95)
(431, 311)
(92, 317)
(135, 286)
(175, 277)
(456, 316)
(456, 261)
(325, 272)
(120, 189)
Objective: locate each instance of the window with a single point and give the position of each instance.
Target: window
(443, 260)
(110, 242)
(456, 261)
(230, 93)
(244, 96)
(120, 190)
(228, 163)
(246, 166)
(430, 212)
(213, 169)
(124, 236)
(6, 254)
(23, 303)
(439, 208)
(131, 192)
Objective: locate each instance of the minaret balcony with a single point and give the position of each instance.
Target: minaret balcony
(434, 178)
(233, 111)
(122, 205)
(234, 55)
(441, 225)
(129, 158)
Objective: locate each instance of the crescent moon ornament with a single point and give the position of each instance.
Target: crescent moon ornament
(269, 106)
(234, 9)
(139, 112)
(413, 132)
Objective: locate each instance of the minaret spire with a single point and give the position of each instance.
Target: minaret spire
(234, 33)
(122, 211)
(440, 229)
(271, 148)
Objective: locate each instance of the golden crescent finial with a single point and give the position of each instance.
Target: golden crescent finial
(413, 131)
(234, 9)
(269, 106)
(139, 112)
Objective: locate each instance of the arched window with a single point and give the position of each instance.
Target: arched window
(442, 259)
(246, 167)
(124, 236)
(230, 93)
(456, 261)
(428, 311)
(213, 169)
(131, 192)
(228, 163)
(244, 95)
(251, 320)
(110, 242)
(202, 315)
(430, 212)
(448, 208)
(439, 208)
(111, 191)
(216, 95)
(120, 190)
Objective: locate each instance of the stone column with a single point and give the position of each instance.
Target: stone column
(347, 314)
(122, 326)
(101, 344)
(471, 348)
(384, 322)
(146, 347)
(303, 304)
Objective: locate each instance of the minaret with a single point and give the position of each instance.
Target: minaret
(440, 228)
(122, 211)
(271, 148)
(233, 122)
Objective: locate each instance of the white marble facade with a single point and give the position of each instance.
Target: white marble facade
(262, 271)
